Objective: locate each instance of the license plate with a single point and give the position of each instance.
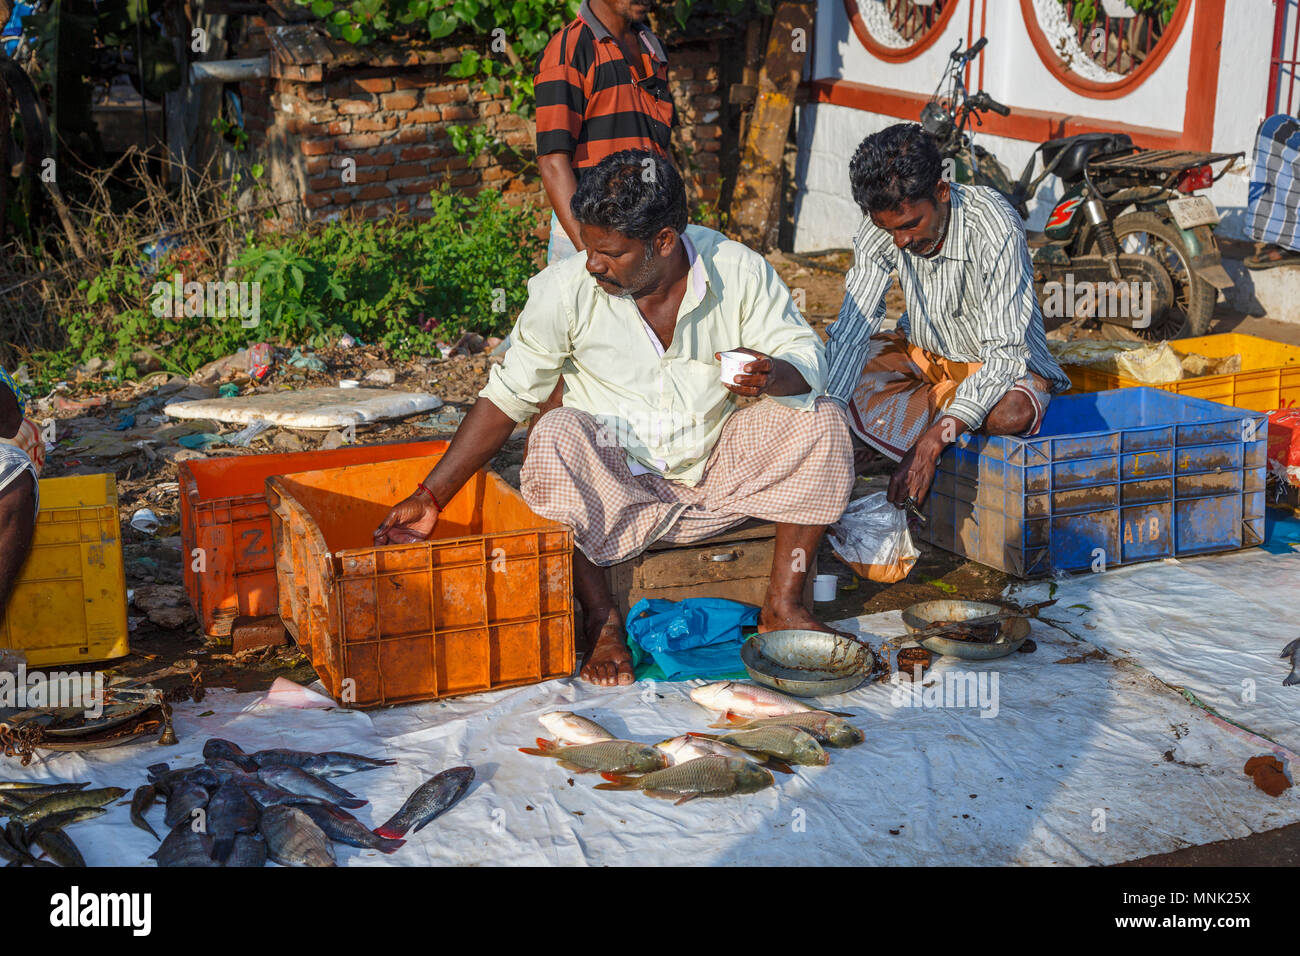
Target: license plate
(1194, 211)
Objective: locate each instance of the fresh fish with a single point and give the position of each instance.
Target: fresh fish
(165, 780)
(57, 821)
(34, 791)
(701, 777)
(300, 781)
(141, 801)
(231, 811)
(265, 795)
(569, 728)
(684, 748)
(432, 798)
(751, 700)
(185, 798)
(292, 839)
(58, 846)
(184, 846)
(59, 802)
(342, 827)
(336, 764)
(249, 850)
(225, 770)
(14, 855)
(1292, 651)
(825, 727)
(615, 756)
(788, 743)
(218, 749)
(329, 764)
(10, 802)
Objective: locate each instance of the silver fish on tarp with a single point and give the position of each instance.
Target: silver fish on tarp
(184, 846)
(300, 781)
(825, 727)
(570, 728)
(616, 756)
(293, 839)
(429, 800)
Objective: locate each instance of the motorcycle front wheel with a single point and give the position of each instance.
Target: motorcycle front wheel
(1145, 233)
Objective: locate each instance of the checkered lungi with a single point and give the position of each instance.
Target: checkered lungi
(14, 463)
(904, 390)
(1274, 190)
(770, 462)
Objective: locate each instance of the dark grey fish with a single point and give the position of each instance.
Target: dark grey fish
(141, 801)
(249, 850)
(292, 839)
(299, 781)
(183, 846)
(185, 798)
(231, 811)
(430, 799)
(58, 846)
(282, 758)
(167, 780)
(335, 763)
(265, 795)
(14, 855)
(226, 770)
(219, 749)
(1292, 651)
(342, 827)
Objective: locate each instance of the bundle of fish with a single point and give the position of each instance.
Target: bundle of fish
(766, 731)
(38, 815)
(239, 809)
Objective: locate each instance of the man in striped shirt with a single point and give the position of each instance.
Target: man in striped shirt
(970, 352)
(601, 87)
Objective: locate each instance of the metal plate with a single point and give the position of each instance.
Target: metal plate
(1013, 633)
(1194, 211)
(807, 663)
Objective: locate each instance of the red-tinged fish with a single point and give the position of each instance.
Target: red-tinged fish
(701, 777)
(825, 727)
(431, 799)
(570, 728)
(788, 743)
(689, 747)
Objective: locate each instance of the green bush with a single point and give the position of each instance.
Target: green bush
(401, 282)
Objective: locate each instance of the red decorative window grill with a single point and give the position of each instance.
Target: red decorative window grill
(1116, 44)
(914, 21)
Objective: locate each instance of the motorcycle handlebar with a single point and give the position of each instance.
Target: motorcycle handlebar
(996, 107)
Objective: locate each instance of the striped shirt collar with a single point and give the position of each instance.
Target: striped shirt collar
(954, 245)
(601, 32)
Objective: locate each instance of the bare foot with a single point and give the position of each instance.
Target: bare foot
(776, 616)
(609, 662)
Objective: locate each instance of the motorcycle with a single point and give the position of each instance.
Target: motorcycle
(1128, 243)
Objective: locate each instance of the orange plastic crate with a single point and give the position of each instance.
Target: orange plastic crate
(486, 603)
(224, 515)
(1269, 376)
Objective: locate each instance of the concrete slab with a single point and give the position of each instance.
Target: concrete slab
(309, 407)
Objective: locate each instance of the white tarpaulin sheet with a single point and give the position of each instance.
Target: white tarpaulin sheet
(1212, 625)
(1092, 762)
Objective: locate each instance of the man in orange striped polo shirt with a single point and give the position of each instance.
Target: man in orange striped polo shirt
(602, 87)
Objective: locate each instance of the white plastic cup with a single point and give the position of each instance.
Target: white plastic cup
(825, 587)
(733, 364)
(349, 383)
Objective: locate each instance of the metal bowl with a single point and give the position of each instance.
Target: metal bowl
(807, 663)
(1012, 635)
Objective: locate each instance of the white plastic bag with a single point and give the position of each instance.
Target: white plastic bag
(872, 538)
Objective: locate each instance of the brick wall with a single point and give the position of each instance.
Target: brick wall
(372, 140)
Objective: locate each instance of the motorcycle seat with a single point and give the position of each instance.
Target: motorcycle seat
(1077, 150)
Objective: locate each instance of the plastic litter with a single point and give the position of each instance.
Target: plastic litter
(229, 390)
(245, 436)
(872, 538)
(308, 361)
(145, 521)
(260, 359)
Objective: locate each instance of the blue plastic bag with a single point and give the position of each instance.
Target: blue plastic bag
(697, 637)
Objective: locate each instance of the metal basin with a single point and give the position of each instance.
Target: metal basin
(1012, 635)
(807, 663)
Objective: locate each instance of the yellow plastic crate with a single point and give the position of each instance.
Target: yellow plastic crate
(69, 604)
(1269, 376)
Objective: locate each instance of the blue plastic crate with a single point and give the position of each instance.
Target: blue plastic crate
(1119, 477)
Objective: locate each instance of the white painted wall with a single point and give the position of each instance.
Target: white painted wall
(825, 215)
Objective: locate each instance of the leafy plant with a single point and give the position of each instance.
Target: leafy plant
(1086, 12)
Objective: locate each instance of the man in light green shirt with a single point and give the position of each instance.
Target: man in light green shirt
(650, 444)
